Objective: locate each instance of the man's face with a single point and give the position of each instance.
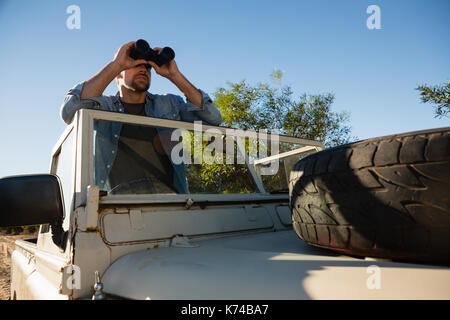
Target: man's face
(136, 79)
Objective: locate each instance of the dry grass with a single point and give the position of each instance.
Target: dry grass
(6, 248)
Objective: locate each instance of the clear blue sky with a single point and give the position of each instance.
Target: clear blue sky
(321, 46)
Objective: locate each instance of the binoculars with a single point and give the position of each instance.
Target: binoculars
(141, 50)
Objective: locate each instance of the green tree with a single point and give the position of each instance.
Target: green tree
(211, 177)
(265, 107)
(439, 95)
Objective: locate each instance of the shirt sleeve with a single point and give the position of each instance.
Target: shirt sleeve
(73, 102)
(208, 112)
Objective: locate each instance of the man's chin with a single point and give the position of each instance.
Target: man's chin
(139, 87)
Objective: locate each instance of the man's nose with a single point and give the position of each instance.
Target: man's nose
(143, 67)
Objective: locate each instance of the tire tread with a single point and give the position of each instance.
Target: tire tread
(384, 197)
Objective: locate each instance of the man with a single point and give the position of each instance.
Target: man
(129, 158)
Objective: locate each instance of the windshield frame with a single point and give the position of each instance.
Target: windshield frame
(85, 121)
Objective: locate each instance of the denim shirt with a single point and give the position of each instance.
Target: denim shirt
(167, 106)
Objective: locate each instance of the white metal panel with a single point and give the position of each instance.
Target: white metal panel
(84, 165)
(90, 255)
(284, 213)
(122, 228)
(275, 265)
(50, 267)
(41, 289)
(27, 284)
(22, 266)
(139, 199)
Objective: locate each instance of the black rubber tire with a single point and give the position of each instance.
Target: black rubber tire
(387, 197)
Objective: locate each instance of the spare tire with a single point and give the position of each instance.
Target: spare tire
(387, 197)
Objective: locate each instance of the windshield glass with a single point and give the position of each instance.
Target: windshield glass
(277, 179)
(142, 159)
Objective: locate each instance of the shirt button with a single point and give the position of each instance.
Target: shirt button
(113, 151)
(116, 136)
(102, 181)
(108, 166)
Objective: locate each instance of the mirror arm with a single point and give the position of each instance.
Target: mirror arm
(59, 236)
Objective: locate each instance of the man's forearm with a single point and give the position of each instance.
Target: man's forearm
(95, 86)
(193, 95)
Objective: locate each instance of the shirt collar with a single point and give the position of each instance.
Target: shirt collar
(148, 99)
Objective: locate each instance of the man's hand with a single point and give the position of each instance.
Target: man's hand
(171, 72)
(168, 70)
(95, 86)
(123, 60)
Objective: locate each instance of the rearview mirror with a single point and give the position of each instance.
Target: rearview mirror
(30, 200)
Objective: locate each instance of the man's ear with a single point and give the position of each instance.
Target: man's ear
(118, 77)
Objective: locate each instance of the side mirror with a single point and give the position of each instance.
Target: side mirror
(31, 199)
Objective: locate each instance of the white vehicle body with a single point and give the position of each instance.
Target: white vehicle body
(193, 246)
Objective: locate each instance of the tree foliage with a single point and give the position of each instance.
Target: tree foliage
(263, 106)
(211, 173)
(439, 95)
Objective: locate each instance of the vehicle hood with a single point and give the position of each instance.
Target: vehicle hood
(275, 265)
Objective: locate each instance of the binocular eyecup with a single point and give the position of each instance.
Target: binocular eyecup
(141, 50)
